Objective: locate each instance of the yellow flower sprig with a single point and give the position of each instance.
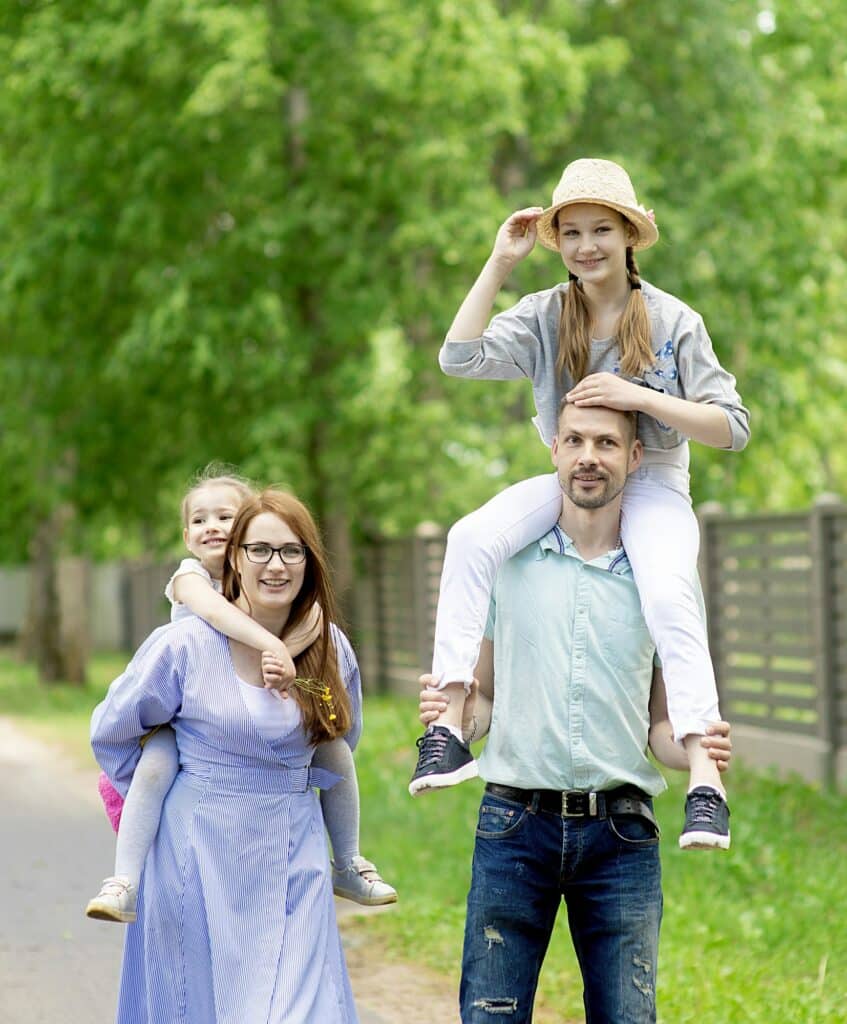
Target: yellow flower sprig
(317, 688)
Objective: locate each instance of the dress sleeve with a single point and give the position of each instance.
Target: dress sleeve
(187, 565)
(348, 668)
(703, 379)
(147, 694)
(507, 349)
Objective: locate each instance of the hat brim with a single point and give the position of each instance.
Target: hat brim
(648, 233)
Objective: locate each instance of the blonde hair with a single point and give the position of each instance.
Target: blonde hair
(216, 474)
(318, 661)
(634, 333)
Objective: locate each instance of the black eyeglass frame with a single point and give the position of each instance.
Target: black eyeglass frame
(274, 551)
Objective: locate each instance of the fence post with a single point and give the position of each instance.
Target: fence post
(378, 572)
(823, 584)
(423, 596)
(709, 513)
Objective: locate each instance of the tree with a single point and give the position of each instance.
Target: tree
(230, 209)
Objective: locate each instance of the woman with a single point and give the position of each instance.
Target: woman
(236, 923)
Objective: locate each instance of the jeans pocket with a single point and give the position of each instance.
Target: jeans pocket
(499, 819)
(634, 830)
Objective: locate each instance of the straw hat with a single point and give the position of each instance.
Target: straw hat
(604, 183)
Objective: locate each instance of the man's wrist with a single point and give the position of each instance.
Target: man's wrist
(470, 734)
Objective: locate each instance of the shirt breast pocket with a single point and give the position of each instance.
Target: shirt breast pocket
(629, 646)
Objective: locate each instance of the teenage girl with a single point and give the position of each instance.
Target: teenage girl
(604, 337)
(208, 511)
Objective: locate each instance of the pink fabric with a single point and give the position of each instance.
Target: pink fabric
(112, 800)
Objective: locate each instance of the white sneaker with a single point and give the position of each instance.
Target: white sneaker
(114, 902)
(360, 882)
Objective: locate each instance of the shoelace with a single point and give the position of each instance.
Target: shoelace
(707, 807)
(367, 870)
(114, 887)
(430, 748)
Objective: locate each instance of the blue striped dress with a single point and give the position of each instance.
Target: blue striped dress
(236, 922)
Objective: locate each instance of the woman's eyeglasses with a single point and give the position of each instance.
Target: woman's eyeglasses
(261, 554)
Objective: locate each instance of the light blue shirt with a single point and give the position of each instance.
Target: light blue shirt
(573, 667)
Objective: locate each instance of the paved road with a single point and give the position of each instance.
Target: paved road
(56, 966)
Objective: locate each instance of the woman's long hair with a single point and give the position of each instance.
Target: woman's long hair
(634, 333)
(318, 661)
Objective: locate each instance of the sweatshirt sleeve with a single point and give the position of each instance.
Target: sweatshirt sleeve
(148, 693)
(703, 379)
(506, 350)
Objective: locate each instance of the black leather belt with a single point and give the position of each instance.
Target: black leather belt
(575, 803)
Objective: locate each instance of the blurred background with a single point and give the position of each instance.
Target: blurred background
(239, 231)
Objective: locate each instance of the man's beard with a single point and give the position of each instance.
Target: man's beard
(598, 497)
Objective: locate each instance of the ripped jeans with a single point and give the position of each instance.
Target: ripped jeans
(609, 874)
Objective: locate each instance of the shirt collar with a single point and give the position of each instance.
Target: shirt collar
(557, 541)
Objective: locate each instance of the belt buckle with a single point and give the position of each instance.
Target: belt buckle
(587, 803)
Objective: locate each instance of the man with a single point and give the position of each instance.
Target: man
(567, 809)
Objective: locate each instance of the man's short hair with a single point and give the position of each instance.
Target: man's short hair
(630, 415)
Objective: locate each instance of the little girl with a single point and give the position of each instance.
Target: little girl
(603, 338)
(208, 511)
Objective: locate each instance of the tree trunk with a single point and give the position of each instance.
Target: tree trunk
(74, 592)
(42, 634)
(56, 634)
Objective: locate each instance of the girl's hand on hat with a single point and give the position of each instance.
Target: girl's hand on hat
(606, 389)
(516, 238)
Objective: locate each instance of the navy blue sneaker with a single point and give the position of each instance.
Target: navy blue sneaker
(706, 821)
(443, 760)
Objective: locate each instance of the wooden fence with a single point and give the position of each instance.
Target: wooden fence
(776, 595)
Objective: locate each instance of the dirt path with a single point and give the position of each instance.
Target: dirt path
(56, 965)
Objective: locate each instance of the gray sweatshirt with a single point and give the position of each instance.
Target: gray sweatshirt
(523, 342)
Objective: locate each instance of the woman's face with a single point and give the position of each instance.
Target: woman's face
(270, 586)
(593, 241)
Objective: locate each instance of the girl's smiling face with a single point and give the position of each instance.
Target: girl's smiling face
(211, 510)
(593, 240)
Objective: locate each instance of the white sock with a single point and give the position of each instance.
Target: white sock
(457, 732)
(706, 785)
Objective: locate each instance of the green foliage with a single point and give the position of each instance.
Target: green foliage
(730, 114)
(240, 231)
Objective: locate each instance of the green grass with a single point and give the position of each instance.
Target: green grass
(756, 936)
(57, 714)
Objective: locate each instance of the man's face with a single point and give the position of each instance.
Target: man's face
(594, 452)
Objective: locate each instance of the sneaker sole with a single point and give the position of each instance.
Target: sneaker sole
(100, 913)
(376, 901)
(425, 782)
(703, 841)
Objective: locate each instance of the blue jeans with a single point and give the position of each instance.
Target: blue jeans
(608, 871)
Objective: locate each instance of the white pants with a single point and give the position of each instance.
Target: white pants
(661, 536)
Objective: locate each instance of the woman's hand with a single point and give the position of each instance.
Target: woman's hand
(516, 238)
(609, 390)
(718, 743)
(278, 671)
